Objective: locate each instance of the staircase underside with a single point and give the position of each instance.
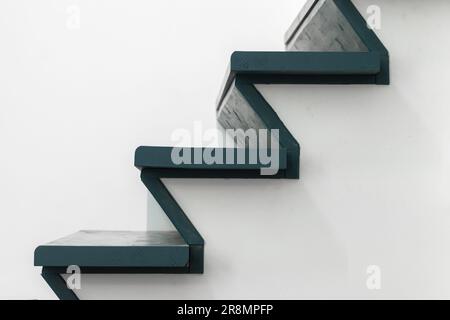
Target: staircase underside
(347, 53)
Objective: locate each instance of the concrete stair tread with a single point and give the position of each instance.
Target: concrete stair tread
(115, 249)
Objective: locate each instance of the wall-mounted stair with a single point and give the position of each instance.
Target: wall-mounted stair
(329, 43)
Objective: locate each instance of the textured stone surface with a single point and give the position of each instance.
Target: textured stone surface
(325, 29)
(121, 238)
(236, 112)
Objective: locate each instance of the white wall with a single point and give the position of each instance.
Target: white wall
(375, 163)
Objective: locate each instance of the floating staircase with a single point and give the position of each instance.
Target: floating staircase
(328, 43)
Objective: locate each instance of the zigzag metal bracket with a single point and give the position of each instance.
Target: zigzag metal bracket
(349, 53)
(241, 106)
(152, 181)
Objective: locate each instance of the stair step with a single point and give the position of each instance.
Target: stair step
(115, 249)
(301, 67)
(161, 158)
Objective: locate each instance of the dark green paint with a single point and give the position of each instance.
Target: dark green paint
(161, 158)
(292, 65)
(108, 256)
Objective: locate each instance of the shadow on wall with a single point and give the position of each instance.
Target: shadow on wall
(258, 237)
(373, 163)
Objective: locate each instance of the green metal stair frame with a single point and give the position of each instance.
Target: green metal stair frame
(185, 254)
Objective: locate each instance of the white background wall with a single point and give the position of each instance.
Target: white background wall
(375, 167)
